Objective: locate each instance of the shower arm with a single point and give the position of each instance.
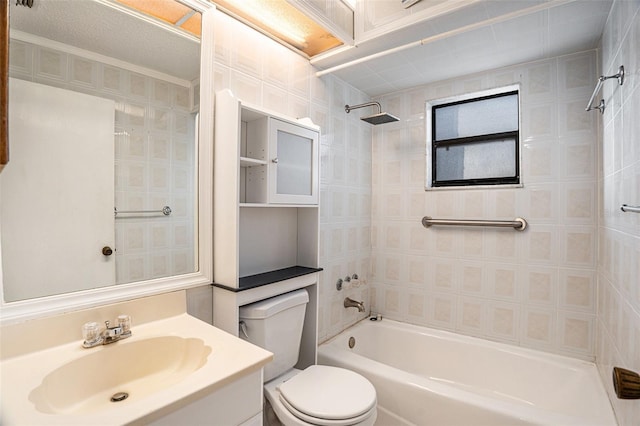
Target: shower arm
(348, 108)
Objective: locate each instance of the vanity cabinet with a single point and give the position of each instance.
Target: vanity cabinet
(237, 403)
(266, 190)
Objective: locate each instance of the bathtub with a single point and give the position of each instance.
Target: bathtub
(432, 377)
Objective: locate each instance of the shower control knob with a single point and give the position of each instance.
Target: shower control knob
(107, 251)
(275, 160)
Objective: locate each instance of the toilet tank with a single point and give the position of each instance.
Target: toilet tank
(275, 324)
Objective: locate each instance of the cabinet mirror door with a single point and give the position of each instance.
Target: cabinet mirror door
(294, 167)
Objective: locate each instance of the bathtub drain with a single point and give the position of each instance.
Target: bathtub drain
(352, 342)
(119, 396)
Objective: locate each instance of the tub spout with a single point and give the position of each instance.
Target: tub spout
(350, 303)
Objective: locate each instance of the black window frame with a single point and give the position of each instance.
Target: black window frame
(435, 144)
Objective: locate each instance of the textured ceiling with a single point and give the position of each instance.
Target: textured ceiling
(102, 29)
(483, 35)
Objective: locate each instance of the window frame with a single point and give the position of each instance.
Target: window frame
(483, 183)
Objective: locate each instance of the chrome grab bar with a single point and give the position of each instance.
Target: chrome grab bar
(166, 210)
(519, 224)
(631, 209)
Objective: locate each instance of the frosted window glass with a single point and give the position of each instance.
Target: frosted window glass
(294, 164)
(484, 117)
(482, 160)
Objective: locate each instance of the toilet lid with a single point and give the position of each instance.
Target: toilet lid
(330, 393)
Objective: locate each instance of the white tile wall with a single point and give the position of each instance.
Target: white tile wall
(154, 156)
(536, 288)
(618, 321)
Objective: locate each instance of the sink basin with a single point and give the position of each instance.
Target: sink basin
(136, 368)
(174, 366)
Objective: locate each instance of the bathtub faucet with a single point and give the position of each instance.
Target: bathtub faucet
(350, 303)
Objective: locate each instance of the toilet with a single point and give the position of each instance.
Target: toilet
(319, 394)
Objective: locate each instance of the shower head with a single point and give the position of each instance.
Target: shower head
(375, 119)
(379, 118)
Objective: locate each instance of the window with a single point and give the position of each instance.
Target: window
(474, 140)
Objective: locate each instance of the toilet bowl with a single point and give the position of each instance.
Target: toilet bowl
(318, 395)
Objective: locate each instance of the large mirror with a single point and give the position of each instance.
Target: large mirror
(102, 188)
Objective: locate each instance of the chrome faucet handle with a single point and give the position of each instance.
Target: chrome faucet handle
(124, 322)
(91, 335)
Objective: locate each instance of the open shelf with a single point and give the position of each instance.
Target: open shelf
(270, 277)
(275, 276)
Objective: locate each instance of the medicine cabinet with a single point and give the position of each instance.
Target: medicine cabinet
(278, 160)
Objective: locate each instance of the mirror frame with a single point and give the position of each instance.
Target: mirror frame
(4, 86)
(12, 312)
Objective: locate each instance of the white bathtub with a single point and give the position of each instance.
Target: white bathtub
(431, 377)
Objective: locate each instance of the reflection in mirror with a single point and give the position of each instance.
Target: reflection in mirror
(102, 115)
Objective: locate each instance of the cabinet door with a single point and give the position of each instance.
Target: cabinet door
(293, 168)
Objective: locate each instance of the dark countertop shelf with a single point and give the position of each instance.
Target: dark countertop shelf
(266, 278)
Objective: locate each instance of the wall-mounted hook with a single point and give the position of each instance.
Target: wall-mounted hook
(339, 284)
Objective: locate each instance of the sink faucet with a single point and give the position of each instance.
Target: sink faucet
(350, 303)
(111, 334)
(94, 337)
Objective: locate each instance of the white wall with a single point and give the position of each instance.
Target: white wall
(535, 288)
(618, 325)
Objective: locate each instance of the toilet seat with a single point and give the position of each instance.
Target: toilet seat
(324, 422)
(328, 396)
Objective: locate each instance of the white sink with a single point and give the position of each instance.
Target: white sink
(172, 362)
(132, 368)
